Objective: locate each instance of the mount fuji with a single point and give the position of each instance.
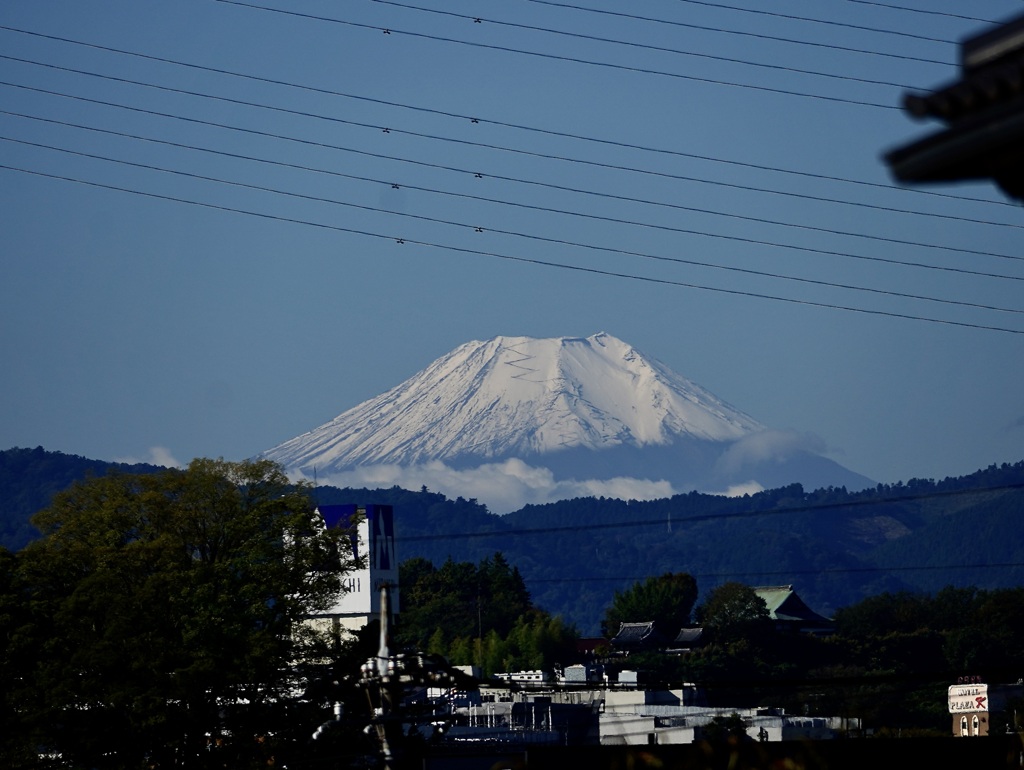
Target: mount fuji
(516, 420)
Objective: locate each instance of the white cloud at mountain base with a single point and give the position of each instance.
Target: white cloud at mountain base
(738, 490)
(766, 446)
(157, 455)
(502, 487)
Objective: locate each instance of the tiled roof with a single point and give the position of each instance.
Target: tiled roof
(689, 637)
(784, 605)
(638, 635)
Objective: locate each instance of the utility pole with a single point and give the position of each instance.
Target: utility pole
(386, 678)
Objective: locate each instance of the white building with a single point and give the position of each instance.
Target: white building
(372, 542)
(624, 713)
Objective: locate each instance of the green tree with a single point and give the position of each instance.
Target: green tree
(732, 612)
(667, 600)
(166, 607)
(502, 594)
(479, 615)
(462, 599)
(538, 641)
(16, 750)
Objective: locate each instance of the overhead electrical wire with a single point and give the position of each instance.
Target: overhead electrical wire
(739, 239)
(402, 240)
(927, 11)
(788, 510)
(741, 33)
(826, 22)
(559, 57)
(643, 46)
(703, 518)
(689, 231)
(422, 135)
(519, 180)
(462, 225)
(706, 234)
(689, 208)
(476, 119)
(784, 573)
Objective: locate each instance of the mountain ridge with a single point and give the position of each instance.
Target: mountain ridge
(835, 546)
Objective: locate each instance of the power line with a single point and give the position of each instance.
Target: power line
(491, 175)
(400, 240)
(475, 119)
(463, 225)
(519, 180)
(685, 231)
(827, 22)
(660, 522)
(422, 135)
(643, 46)
(725, 31)
(558, 57)
(924, 11)
(788, 572)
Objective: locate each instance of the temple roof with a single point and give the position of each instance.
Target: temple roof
(784, 605)
(634, 635)
(689, 637)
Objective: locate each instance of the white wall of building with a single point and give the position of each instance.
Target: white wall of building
(372, 543)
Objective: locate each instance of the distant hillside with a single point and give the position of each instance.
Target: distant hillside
(29, 478)
(834, 546)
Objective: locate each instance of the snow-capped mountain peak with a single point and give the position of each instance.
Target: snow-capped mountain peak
(518, 397)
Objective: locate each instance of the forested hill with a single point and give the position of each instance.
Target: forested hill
(29, 478)
(833, 546)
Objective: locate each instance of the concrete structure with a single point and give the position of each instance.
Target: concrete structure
(666, 724)
(620, 713)
(979, 709)
(636, 717)
(373, 544)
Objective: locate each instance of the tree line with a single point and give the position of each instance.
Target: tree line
(840, 546)
(888, 660)
(159, 620)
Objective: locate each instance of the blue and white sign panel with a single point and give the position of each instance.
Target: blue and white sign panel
(373, 541)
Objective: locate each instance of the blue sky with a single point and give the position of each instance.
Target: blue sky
(209, 275)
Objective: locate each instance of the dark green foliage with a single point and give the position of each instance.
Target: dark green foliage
(459, 599)
(734, 612)
(158, 608)
(667, 600)
(836, 547)
(29, 478)
(956, 631)
(478, 615)
(536, 641)
(889, 662)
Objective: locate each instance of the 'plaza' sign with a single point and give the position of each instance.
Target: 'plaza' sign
(967, 698)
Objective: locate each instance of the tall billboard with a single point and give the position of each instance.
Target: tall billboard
(373, 542)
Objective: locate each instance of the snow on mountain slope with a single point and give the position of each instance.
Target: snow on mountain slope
(520, 396)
